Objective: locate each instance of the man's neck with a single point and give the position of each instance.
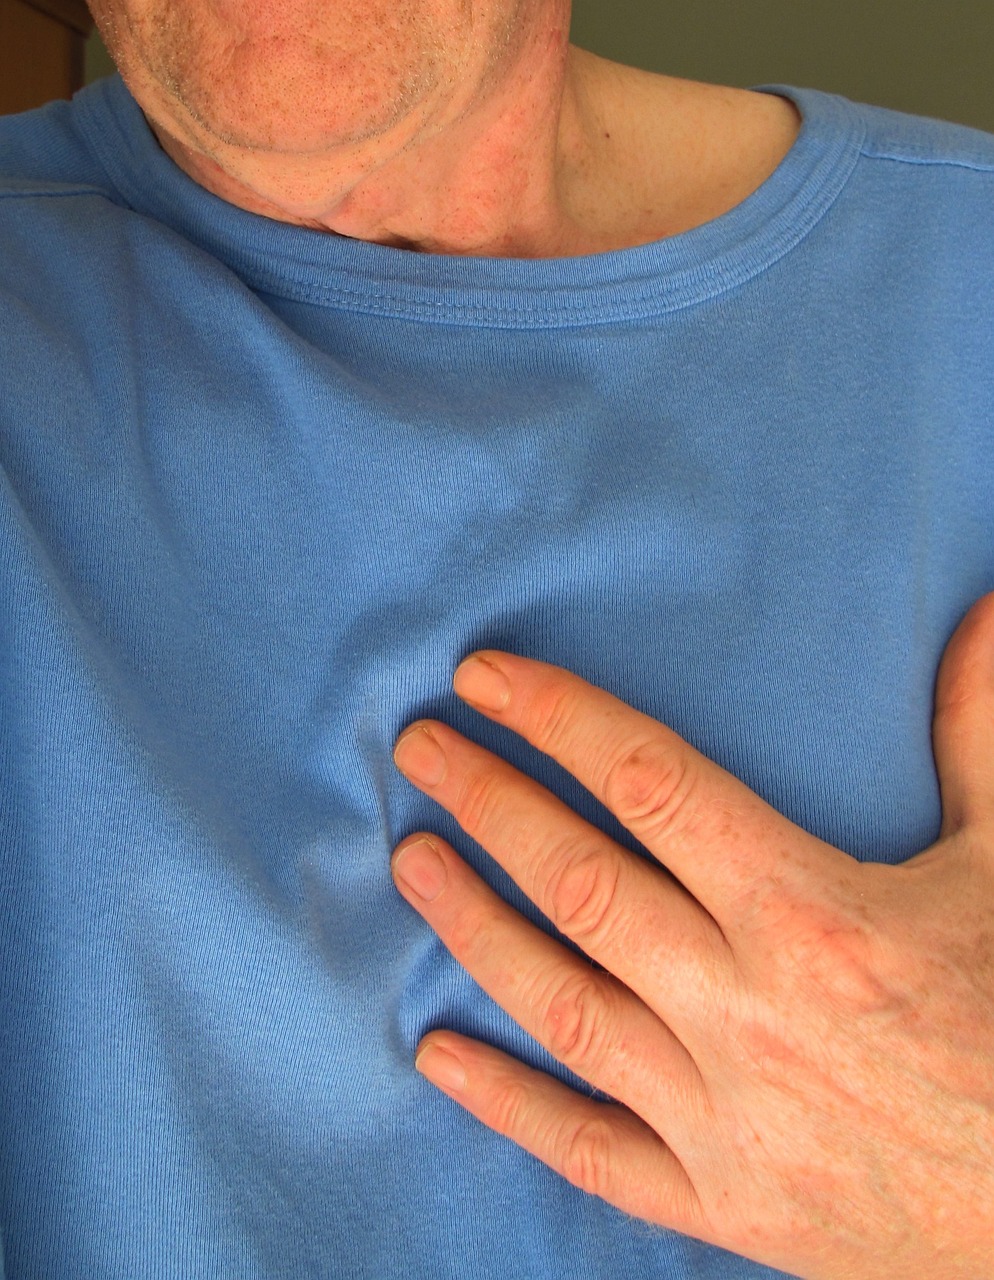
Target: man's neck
(632, 157)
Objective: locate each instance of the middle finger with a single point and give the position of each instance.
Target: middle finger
(630, 917)
(589, 1021)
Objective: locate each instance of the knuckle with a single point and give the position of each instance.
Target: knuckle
(763, 1042)
(575, 1022)
(831, 951)
(847, 972)
(582, 896)
(588, 1148)
(478, 804)
(551, 711)
(509, 1109)
(651, 790)
(470, 934)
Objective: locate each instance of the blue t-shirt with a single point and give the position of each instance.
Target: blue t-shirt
(261, 489)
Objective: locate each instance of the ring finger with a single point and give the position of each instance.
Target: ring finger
(587, 1020)
(629, 916)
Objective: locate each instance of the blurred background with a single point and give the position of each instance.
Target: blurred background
(927, 57)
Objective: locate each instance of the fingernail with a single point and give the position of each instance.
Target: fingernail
(420, 867)
(419, 757)
(441, 1068)
(481, 684)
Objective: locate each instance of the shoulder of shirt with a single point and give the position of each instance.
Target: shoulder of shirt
(43, 155)
(922, 140)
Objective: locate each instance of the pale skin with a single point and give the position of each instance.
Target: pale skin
(440, 126)
(801, 1046)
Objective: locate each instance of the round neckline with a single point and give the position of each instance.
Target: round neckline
(325, 269)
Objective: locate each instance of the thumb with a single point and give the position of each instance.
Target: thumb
(963, 725)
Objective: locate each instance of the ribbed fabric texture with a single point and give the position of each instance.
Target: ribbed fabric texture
(261, 488)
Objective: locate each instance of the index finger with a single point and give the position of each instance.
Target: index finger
(717, 836)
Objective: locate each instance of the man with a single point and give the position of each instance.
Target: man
(347, 342)
(446, 128)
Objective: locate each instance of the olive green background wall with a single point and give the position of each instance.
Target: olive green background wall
(929, 57)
